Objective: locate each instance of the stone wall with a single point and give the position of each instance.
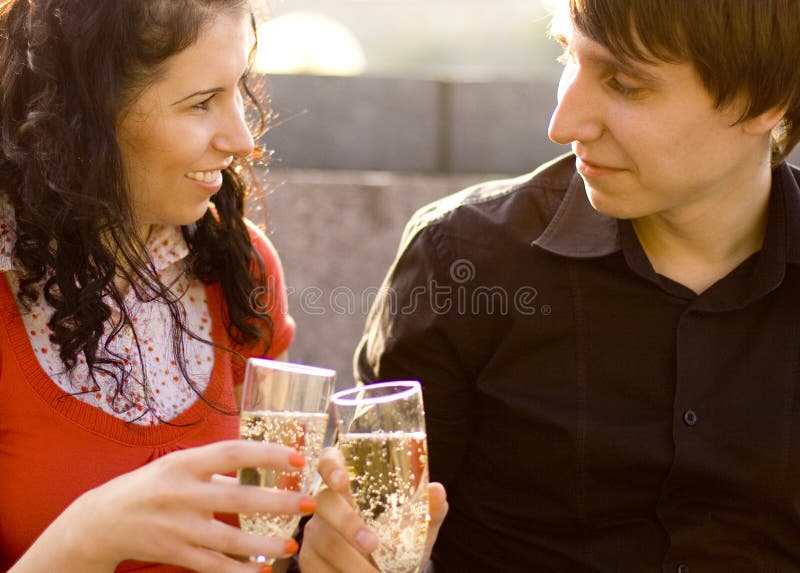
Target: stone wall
(421, 126)
(337, 233)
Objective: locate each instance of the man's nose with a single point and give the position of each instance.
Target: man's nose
(577, 116)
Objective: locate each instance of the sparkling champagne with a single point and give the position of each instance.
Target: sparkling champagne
(389, 483)
(302, 431)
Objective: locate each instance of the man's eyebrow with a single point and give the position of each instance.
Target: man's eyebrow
(199, 93)
(627, 67)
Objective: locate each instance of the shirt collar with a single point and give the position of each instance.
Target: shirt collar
(577, 230)
(165, 244)
(785, 183)
(764, 271)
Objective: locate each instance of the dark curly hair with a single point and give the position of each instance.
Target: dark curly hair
(69, 69)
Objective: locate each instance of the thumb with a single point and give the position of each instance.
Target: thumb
(437, 500)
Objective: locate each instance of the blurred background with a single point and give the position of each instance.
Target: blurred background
(381, 106)
(420, 38)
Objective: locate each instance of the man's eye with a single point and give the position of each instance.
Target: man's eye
(621, 88)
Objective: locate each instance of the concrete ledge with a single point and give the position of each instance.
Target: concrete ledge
(410, 125)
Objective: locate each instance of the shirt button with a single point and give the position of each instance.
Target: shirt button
(683, 567)
(690, 419)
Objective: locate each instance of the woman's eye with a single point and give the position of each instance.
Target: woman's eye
(203, 105)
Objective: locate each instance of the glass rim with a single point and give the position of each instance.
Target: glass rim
(291, 367)
(405, 388)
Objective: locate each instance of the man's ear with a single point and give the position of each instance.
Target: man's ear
(764, 122)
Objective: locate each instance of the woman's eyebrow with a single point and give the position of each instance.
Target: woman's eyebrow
(199, 93)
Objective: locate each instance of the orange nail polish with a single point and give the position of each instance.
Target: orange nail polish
(266, 569)
(297, 460)
(291, 547)
(308, 505)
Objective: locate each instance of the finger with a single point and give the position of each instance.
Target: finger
(228, 456)
(332, 469)
(225, 538)
(338, 514)
(326, 551)
(204, 560)
(221, 479)
(437, 498)
(310, 560)
(235, 498)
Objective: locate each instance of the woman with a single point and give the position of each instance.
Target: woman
(127, 302)
(128, 271)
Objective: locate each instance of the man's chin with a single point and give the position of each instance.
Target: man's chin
(611, 205)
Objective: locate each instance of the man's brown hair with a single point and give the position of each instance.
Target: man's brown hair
(747, 48)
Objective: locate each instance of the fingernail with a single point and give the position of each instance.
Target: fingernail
(291, 547)
(266, 569)
(366, 540)
(297, 460)
(308, 505)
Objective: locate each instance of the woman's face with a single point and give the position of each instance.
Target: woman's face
(186, 127)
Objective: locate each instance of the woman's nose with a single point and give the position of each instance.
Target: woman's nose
(234, 136)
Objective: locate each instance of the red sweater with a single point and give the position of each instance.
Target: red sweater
(53, 447)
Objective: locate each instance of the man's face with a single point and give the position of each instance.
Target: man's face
(648, 137)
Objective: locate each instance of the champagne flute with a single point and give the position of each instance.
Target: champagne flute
(285, 404)
(382, 437)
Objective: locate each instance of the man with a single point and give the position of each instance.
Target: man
(613, 385)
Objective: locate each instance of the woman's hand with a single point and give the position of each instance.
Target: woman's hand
(336, 539)
(164, 513)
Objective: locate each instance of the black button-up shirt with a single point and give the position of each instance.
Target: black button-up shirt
(584, 412)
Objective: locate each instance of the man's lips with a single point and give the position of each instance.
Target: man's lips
(592, 169)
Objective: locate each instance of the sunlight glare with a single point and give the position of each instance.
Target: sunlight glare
(308, 43)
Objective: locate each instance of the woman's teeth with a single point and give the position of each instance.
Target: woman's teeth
(205, 176)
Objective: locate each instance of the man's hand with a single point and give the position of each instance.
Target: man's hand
(336, 540)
